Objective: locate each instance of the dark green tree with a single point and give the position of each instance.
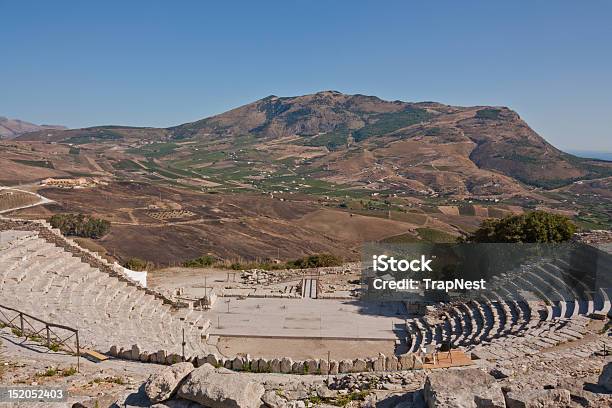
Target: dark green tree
(80, 225)
(536, 227)
(137, 264)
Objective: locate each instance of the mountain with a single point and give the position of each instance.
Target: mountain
(11, 128)
(362, 142)
(284, 177)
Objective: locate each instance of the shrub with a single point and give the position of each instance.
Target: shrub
(50, 372)
(80, 225)
(69, 372)
(488, 113)
(201, 262)
(137, 264)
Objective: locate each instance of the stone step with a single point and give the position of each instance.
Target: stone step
(15, 266)
(18, 250)
(604, 305)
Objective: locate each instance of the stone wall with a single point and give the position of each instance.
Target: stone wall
(283, 365)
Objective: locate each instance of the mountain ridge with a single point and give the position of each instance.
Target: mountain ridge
(12, 128)
(470, 146)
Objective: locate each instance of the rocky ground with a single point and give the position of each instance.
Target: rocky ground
(554, 379)
(25, 364)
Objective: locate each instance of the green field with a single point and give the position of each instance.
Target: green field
(154, 150)
(36, 163)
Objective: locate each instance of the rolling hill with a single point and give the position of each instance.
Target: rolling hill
(11, 128)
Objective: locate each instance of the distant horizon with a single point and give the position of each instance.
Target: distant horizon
(158, 64)
(591, 154)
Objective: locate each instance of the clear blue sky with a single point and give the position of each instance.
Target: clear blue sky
(163, 63)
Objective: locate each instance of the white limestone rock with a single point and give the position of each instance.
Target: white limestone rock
(272, 399)
(219, 388)
(538, 398)
(470, 388)
(163, 384)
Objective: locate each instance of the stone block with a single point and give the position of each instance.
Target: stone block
(173, 358)
(144, 357)
(333, 367)
(324, 366)
(286, 365)
(359, 365)
(135, 352)
(345, 366)
(237, 364)
(161, 357)
(391, 363)
(275, 366)
(406, 362)
(212, 360)
(379, 363)
(463, 388)
(163, 384)
(313, 366)
(263, 365)
(370, 364)
(297, 367)
(218, 388)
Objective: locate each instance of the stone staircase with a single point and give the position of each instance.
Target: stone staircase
(549, 308)
(56, 283)
(545, 335)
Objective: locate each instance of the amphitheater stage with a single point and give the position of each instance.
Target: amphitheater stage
(306, 318)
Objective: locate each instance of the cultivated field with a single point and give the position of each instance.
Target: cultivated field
(15, 199)
(167, 225)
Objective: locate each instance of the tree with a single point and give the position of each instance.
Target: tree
(80, 225)
(315, 261)
(536, 227)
